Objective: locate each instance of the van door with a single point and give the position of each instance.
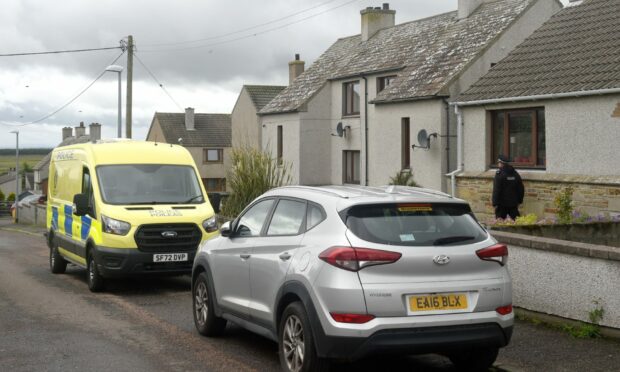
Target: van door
(83, 223)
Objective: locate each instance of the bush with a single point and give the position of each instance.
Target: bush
(403, 179)
(11, 197)
(564, 203)
(253, 173)
(1, 196)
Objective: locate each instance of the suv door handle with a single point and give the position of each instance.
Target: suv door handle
(245, 256)
(285, 256)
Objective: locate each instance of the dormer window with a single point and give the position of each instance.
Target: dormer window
(384, 81)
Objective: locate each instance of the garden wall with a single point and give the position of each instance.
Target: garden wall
(562, 278)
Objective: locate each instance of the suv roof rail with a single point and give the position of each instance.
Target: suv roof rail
(321, 189)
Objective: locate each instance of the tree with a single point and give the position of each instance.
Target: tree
(403, 179)
(253, 173)
(11, 197)
(1, 196)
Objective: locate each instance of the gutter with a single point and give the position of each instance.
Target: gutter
(579, 93)
(459, 148)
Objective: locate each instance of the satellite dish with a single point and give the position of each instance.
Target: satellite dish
(423, 139)
(339, 129)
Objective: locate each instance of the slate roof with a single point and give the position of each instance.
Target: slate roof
(263, 94)
(578, 49)
(212, 130)
(426, 55)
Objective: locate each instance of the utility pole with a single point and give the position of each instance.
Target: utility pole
(129, 86)
(17, 180)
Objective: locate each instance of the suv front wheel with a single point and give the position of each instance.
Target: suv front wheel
(207, 323)
(296, 343)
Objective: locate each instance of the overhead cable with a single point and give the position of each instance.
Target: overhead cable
(158, 82)
(58, 52)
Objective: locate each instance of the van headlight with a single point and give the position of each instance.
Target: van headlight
(210, 224)
(116, 227)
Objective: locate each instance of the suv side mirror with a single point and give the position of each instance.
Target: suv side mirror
(225, 229)
(81, 204)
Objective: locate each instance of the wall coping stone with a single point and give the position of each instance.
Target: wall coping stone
(540, 176)
(559, 246)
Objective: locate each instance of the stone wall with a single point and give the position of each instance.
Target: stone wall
(592, 195)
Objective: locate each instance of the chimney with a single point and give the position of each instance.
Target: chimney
(95, 132)
(66, 132)
(376, 19)
(467, 7)
(295, 68)
(189, 118)
(80, 131)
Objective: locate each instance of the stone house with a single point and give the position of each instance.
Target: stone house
(353, 115)
(246, 124)
(206, 136)
(553, 106)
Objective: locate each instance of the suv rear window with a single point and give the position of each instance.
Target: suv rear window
(414, 224)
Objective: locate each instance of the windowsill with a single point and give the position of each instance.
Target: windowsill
(522, 167)
(213, 162)
(351, 116)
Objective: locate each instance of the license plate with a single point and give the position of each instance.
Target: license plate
(169, 257)
(444, 301)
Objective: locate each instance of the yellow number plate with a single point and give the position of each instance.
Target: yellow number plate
(438, 302)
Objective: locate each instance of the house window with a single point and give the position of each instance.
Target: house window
(520, 135)
(213, 155)
(279, 145)
(214, 184)
(384, 81)
(351, 167)
(351, 98)
(405, 144)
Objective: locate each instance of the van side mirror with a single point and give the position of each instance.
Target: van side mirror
(81, 204)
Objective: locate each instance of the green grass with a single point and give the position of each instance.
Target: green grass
(8, 161)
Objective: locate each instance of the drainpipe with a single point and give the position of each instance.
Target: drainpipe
(365, 128)
(459, 148)
(445, 101)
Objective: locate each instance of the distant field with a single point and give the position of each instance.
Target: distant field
(8, 161)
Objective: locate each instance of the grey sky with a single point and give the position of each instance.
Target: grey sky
(198, 74)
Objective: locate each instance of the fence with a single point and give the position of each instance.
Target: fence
(5, 208)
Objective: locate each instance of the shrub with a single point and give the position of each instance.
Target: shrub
(253, 173)
(403, 179)
(1, 196)
(528, 219)
(564, 203)
(11, 197)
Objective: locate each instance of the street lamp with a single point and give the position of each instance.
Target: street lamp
(16, 174)
(119, 69)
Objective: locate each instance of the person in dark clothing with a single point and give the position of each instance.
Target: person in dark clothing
(508, 190)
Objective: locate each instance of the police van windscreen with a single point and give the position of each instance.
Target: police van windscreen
(149, 184)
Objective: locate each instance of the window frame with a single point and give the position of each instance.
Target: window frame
(205, 155)
(353, 171)
(348, 89)
(533, 111)
(235, 224)
(381, 82)
(302, 226)
(279, 145)
(221, 184)
(405, 133)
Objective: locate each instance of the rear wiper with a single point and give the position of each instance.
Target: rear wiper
(452, 239)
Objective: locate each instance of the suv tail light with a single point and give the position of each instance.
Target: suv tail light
(504, 310)
(497, 253)
(355, 259)
(352, 318)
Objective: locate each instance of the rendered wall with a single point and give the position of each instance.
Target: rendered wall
(245, 126)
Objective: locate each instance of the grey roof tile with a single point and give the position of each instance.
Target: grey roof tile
(263, 94)
(212, 130)
(577, 49)
(425, 54)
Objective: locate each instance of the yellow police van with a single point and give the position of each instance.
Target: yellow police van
(123, 208)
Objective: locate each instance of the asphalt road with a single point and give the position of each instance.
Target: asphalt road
(54, 323)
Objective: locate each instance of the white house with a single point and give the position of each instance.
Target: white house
(553, 106)
(383, 86)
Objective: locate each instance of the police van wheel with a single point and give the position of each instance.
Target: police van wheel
(58, 265)
(94, 279)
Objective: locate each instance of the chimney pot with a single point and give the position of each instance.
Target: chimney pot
(80, 130)
(66, 132)
(95, 132)
(386, 6)
(295, 68)
(189, 118)
(467, 7)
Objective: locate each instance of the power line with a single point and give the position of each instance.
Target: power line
(69, 102)
(58, 52)
(250, 35)
(158, 82)
(244, 29)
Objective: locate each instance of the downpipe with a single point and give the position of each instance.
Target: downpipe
(459, 149)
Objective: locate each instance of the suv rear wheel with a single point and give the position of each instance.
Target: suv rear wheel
(474, 360)
(296, 343)
(207, 323)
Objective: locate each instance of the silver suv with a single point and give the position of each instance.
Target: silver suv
(343, 272)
